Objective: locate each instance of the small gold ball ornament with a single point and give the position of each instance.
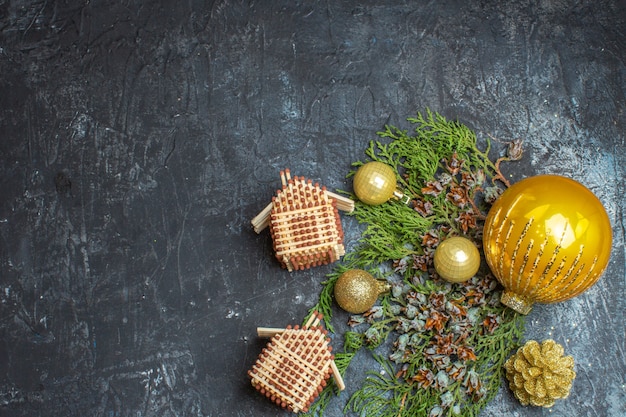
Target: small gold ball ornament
(456, 259)
(539, 374)
(375, 183)
(356, 290)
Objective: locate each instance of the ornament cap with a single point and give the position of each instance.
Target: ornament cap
(382, 286)
(517, 302)
(399, 195)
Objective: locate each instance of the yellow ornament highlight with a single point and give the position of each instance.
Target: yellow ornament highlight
(456, 259)
(356, 290)
(539, 374)
(546, 239)
(375, 183)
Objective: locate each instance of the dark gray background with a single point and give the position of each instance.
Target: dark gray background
(139, 138)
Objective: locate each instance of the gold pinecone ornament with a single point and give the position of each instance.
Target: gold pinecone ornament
(539, 374)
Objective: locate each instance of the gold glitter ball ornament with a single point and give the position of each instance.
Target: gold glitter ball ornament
(547, 239)
(456, 259)
(356, 290)
(539, 374)
(375, 183)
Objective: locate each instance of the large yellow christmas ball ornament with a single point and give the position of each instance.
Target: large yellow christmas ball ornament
(375, 183)
(546, 239)
(456, 259)
(356, 290)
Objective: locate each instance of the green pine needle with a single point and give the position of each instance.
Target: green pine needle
(434, 359)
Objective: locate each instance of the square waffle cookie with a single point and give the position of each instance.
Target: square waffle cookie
(294, 367)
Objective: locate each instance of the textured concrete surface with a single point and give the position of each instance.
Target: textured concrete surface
(139, 138)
